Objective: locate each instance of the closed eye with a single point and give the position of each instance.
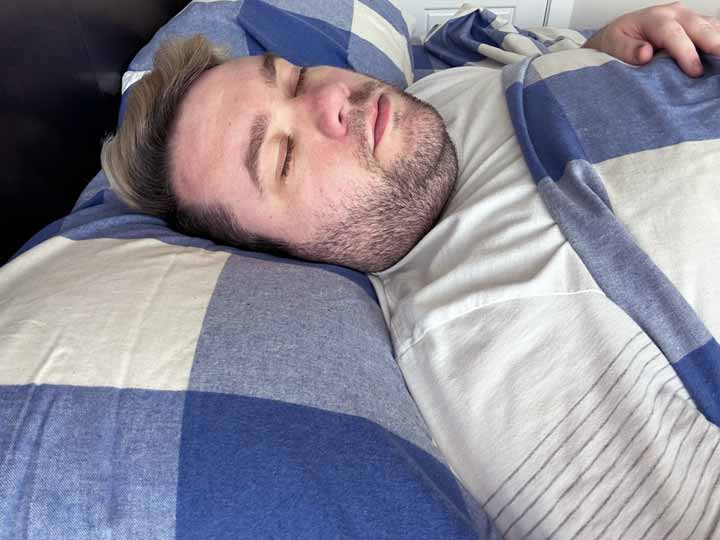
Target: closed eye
(289, 147)
(300, 81)
(290, 144)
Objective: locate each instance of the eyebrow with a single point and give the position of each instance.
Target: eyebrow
(257, 136)
(258, 128)
(268, 72)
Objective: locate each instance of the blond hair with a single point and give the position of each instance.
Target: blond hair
(137, 158)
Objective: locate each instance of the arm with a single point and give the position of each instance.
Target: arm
(634, 37)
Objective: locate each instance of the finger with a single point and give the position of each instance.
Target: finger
(625, 47)
(672, 37)
(705, 33)
(632, 50)
(644, 53)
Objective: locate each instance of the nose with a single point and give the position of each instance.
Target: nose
(327, 105)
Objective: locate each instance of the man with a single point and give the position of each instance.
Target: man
(551, 401)
(320, 163)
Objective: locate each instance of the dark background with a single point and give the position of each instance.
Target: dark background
(62, 63)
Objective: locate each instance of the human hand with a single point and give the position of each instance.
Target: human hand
(634, 37)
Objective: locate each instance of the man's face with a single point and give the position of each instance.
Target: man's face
(295, 153)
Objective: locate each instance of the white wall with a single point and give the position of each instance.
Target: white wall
(595, 14)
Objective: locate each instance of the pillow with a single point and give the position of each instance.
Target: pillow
(369, 36)
(154, 385)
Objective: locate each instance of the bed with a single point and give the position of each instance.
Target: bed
(155, 385)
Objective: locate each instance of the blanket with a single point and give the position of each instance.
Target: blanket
(556, 328)
(604, 171)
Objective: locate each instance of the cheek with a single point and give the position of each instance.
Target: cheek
(264, 217)
(328, 181)
(327, 168)
(326, 191)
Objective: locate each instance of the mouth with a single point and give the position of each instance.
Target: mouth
(381, 116)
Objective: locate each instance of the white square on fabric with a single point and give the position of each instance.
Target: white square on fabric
(57, 296)
(665, 197)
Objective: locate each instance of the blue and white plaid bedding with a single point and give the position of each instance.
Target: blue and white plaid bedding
(476, 36)
(567, 310)
(581, 149)
(157, 386)
(154, 385)
(576, 116)
(369, 36)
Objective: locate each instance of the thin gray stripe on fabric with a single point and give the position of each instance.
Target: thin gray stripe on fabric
(569, 436)
(567, 415)
(621, 507)
(682, 484)
(620, 454)
(667, 476)
(697, 486)
(562, 420)
(660, 424)
(643, 292)
(716, 520)
(600, 452)
(707, 501)
(611, 495)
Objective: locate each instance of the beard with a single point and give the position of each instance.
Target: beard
(401, 202)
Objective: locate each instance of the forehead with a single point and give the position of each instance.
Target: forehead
(213, 126)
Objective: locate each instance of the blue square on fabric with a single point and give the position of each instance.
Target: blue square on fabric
(83, 462)
(303, 41)
(254, 468)
(338, 13)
